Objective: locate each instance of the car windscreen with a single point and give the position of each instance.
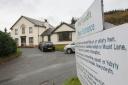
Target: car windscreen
(48, 43)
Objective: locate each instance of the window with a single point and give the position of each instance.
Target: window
(30, 30)
(23, 28)
(31, 40)
(65, 36)
(16, 31)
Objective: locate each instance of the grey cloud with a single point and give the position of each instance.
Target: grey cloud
(54, 10)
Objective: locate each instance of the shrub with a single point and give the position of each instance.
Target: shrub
(7, 45)
(117, 17)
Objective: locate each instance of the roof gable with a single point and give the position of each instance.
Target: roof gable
(62, 24)
(33, 21)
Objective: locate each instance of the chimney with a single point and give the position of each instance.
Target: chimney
(45, 20)
(46, 23)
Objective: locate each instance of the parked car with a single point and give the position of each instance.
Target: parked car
(70, 48)
(46, 46)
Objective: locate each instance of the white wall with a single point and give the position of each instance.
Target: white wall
(54, 37)
(38, 30)
(64, 28)
(45, 38)
(55, 40)
(73, 36)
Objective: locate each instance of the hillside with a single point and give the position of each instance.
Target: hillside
(117, 17)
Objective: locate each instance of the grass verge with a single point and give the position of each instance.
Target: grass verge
(60, 47)
(72, 81)
(10, 57)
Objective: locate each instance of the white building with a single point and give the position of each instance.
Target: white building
(62, 34)
(27, 31)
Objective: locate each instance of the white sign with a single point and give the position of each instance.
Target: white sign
(102, 58)
(91, 21)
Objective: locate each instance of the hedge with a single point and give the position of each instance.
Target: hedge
(7, 45)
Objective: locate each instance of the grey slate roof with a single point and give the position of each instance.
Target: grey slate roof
(70, 25)
(51, 30)
(35, 22)
(40, 23)
(47, 32)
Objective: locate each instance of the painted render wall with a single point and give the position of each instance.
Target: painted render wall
(54, 36)
(55, 40)
(64, 28)
(45, 38)
(27, 25)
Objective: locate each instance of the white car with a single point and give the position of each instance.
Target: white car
(70, 48)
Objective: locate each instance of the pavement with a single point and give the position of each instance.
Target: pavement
(38, 68)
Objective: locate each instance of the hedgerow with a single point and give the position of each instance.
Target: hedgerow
(7, 45)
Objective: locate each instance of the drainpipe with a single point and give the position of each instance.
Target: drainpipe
(38, 35)
(102, 4)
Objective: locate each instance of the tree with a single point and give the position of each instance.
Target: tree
(5, 30)
(73, 20)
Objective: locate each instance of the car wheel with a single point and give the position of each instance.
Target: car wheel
(69, 51)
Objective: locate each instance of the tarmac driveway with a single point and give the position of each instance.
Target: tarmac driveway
(38, 68)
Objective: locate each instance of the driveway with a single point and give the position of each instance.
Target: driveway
(38, 68)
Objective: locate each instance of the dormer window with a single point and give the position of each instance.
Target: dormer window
(23, 28)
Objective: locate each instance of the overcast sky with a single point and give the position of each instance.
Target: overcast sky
(54, 10)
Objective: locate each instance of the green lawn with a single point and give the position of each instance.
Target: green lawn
(72, 81)
(18, 51)
(59, 47)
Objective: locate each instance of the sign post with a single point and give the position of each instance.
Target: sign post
(101, 56)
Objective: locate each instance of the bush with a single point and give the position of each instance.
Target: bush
(7, 45)
(117, 17)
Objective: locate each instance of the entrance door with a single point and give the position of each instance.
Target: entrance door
(23, 41)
